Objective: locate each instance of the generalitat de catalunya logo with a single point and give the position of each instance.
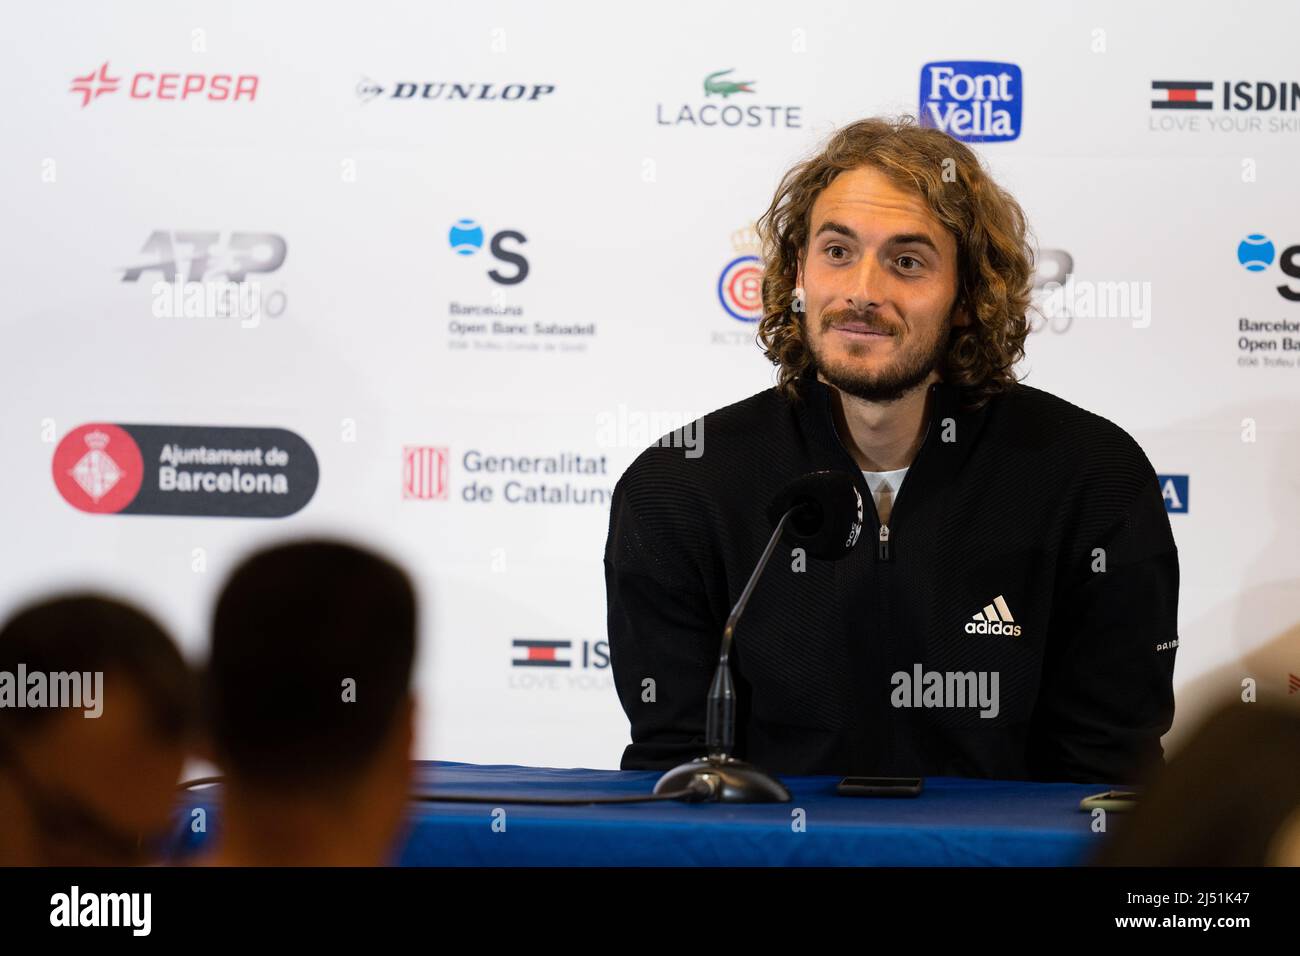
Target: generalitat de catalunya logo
(214, 471)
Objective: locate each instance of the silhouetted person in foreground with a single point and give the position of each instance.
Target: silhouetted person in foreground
(1231, 797)
(310, 708)
(90, 758)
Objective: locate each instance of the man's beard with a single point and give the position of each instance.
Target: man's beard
(891, 383)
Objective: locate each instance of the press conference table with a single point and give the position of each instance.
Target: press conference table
(954, 822)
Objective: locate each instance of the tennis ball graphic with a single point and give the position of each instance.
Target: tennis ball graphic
(466, 237)
(1255, 252)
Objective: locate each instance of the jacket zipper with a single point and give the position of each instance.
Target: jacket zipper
(885, 548)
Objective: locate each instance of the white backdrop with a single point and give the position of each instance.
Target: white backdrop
(626, 214)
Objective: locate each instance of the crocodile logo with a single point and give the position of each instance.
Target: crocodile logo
(724, 88)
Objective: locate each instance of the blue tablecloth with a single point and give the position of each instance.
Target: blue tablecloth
(954, 822)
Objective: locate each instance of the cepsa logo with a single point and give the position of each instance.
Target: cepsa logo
(233, 472)
(145, 85)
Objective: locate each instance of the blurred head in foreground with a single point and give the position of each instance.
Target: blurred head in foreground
(309, 704)
(1231, 797)
(95, 722)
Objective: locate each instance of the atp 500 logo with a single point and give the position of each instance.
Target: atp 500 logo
(200, 276)
(204, 255)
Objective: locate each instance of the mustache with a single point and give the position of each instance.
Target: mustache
(873, 322)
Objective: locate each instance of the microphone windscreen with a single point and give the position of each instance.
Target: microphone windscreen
(828, 519)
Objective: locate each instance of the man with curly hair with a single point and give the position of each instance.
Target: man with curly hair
(1011, 611)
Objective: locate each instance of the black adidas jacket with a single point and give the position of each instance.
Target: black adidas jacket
(1034, 514)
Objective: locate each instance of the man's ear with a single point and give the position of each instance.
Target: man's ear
(961, 315)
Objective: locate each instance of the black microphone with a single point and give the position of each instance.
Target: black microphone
(820, 512)
(827, 519)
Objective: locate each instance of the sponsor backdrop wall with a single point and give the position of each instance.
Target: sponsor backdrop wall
(432, 275)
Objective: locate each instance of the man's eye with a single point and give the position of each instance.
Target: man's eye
(830, 249)
(908, 263)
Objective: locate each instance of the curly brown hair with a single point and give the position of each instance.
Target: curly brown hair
(995, 260)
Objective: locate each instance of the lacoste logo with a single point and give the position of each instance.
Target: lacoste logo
(714, 83)
(995, 618)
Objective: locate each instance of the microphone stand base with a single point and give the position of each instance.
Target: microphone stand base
(730, 780)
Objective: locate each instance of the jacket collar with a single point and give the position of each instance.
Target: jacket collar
(952, 432)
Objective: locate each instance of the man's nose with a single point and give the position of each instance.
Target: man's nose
(867, 288)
